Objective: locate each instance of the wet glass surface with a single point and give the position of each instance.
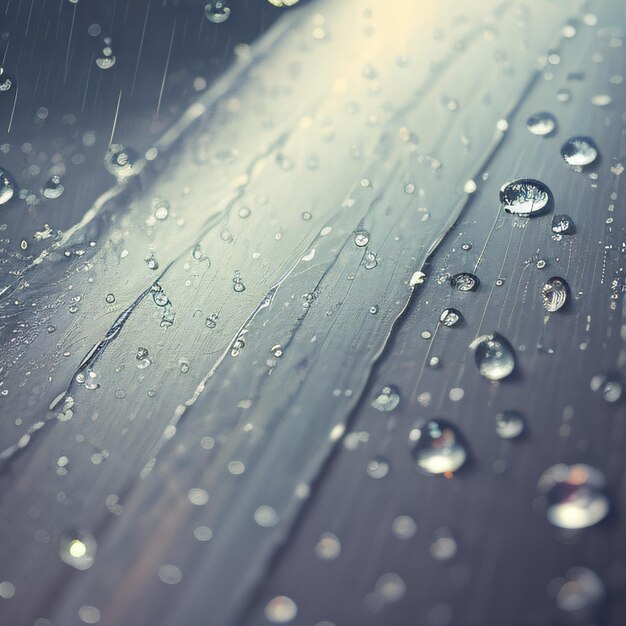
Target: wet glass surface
(311, 314)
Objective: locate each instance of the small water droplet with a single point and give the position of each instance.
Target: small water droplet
(579, 151)
(78, 548)
(580, 593)
(328, 547)
(53, 188)
(361, 238)
(563, 224)
(217, 11)
(280, 610)
(494, 356)
(378, 467)
(509, 424)
(120, 161)
(7, 82)
(526, 197)
(7, 186)
(450, 317)
(575, 495)
(438, 447)
(541, 124)
(464, 281)
(554, 294)
(387, 399)
(608, 385)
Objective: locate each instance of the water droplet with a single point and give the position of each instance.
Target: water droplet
(438, 447)
(444, 546)
(378, 467)
(106, 59)
(387, 399)
(564, 95)
(450, 317)
(7, 82)
(541, 124)
(170, 574)
(509, 424)
(563, 224)
(238, 282)
(579, 151)
(608, 385)
(280, 610)
(404, 527)
(361, 238)
(328, 547)
(554, 294)
(580, 592)
(575, 495)
(526, 197)
(217, 11)
(53, 188)
(78, 549)
(152, 263)
(494, 356)
(120, 161)
(7, 186)
(464, 281)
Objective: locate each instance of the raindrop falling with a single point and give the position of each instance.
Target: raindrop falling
(7, 186)
(53, 188)
(575, 495)
(494, 356)
(387, 399)
(579, 152)
(450, 317)
(526, 197)
(541, 124)
(217, 11)
(509, 424)
(554, 294)
(464, 281)
(438, 447)
(78, 549)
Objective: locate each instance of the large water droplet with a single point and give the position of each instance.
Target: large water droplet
(438, 448)
(542, 123)
(554, 294)
(7, 186)
(526, 197)
(575, 495)
(579, 151)
(217, 11)
(464, 281)
(494, 355)
(387, 399)
(78, 548)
